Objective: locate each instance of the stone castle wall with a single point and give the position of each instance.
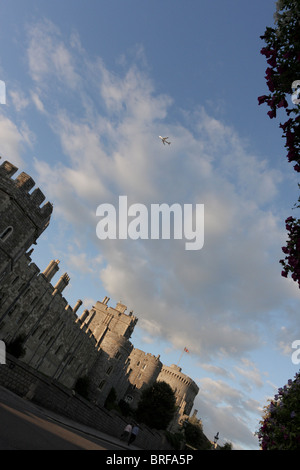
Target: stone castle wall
(50, 394)
(22, 219)
(58, 343)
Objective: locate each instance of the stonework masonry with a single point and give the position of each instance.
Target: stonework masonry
(60, 343)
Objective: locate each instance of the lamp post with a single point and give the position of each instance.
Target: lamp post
(216, 438)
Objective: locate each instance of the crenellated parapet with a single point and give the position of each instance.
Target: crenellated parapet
(22, 217)
(19, 189)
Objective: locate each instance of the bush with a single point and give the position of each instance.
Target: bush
(82, 386)
(280, 427)
(175, 439)
(156, 407)
(196, 438)
(110, 401)
(16, 348)
(125, 408)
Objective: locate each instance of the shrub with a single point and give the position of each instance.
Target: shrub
(280, 426)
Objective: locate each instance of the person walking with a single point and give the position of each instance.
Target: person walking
(134, 433)
(126, 432)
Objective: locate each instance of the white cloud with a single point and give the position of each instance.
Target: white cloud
(227, 410)
(19, 100)
(214, 301)
(48, 56)
(13, 140)
(215, 297)
(37, 102)
(250, 372)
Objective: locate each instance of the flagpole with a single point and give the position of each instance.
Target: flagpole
(184, 350)
(180, 357)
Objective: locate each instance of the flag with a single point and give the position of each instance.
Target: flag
(186, 350)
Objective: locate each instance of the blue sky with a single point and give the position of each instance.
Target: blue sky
(90, 85)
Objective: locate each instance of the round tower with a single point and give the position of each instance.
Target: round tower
(184, 387)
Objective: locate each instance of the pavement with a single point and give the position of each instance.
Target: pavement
(20, 403)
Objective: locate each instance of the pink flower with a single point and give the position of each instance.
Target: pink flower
(281, 103)
(271, 85)
(272, 61)
(262, 99)
(265, 51)
(272, 114)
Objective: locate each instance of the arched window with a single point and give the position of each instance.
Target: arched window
(6, 233)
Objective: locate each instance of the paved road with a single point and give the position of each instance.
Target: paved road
(25, 426)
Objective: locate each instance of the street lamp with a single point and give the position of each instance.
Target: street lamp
(216, 438)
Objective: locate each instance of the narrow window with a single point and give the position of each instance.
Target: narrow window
(101, 385)
(6, 233)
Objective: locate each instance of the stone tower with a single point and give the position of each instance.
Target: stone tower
(185, 390)
(143, 370)
(112, 329)
(22, 219)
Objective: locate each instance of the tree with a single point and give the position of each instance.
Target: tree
(195, 437)
(156, 407)
(226, 446)
(110, 401)
(82, 386)
(280, 426)
(16, 347)
(282, 51)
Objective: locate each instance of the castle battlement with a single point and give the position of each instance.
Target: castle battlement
(19, 188)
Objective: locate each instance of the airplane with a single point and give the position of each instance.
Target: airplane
(164, 140)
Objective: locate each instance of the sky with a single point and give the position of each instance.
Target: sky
(90, 85)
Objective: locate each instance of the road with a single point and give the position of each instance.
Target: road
(25, 426)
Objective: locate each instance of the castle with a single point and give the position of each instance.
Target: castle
(57, 341)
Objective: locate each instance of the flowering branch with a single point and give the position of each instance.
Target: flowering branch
(282, 51)
(280, 427)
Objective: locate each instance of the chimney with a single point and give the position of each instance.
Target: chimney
(51, 269)
(77, 306)
(62, 283)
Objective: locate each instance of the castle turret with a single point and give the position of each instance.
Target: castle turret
(22, 219)
(185, 391)
(51, 269)
(77, 306)
(112, 328)
(62, 283)
(143, 370)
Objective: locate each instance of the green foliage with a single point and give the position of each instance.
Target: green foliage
(195, 437)
(175, 439)
(110, 401)
(125, 408)
(226, 446)
(280, 426)
(282, 51)
(156, 407)
(82, 386)
(16, 348)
